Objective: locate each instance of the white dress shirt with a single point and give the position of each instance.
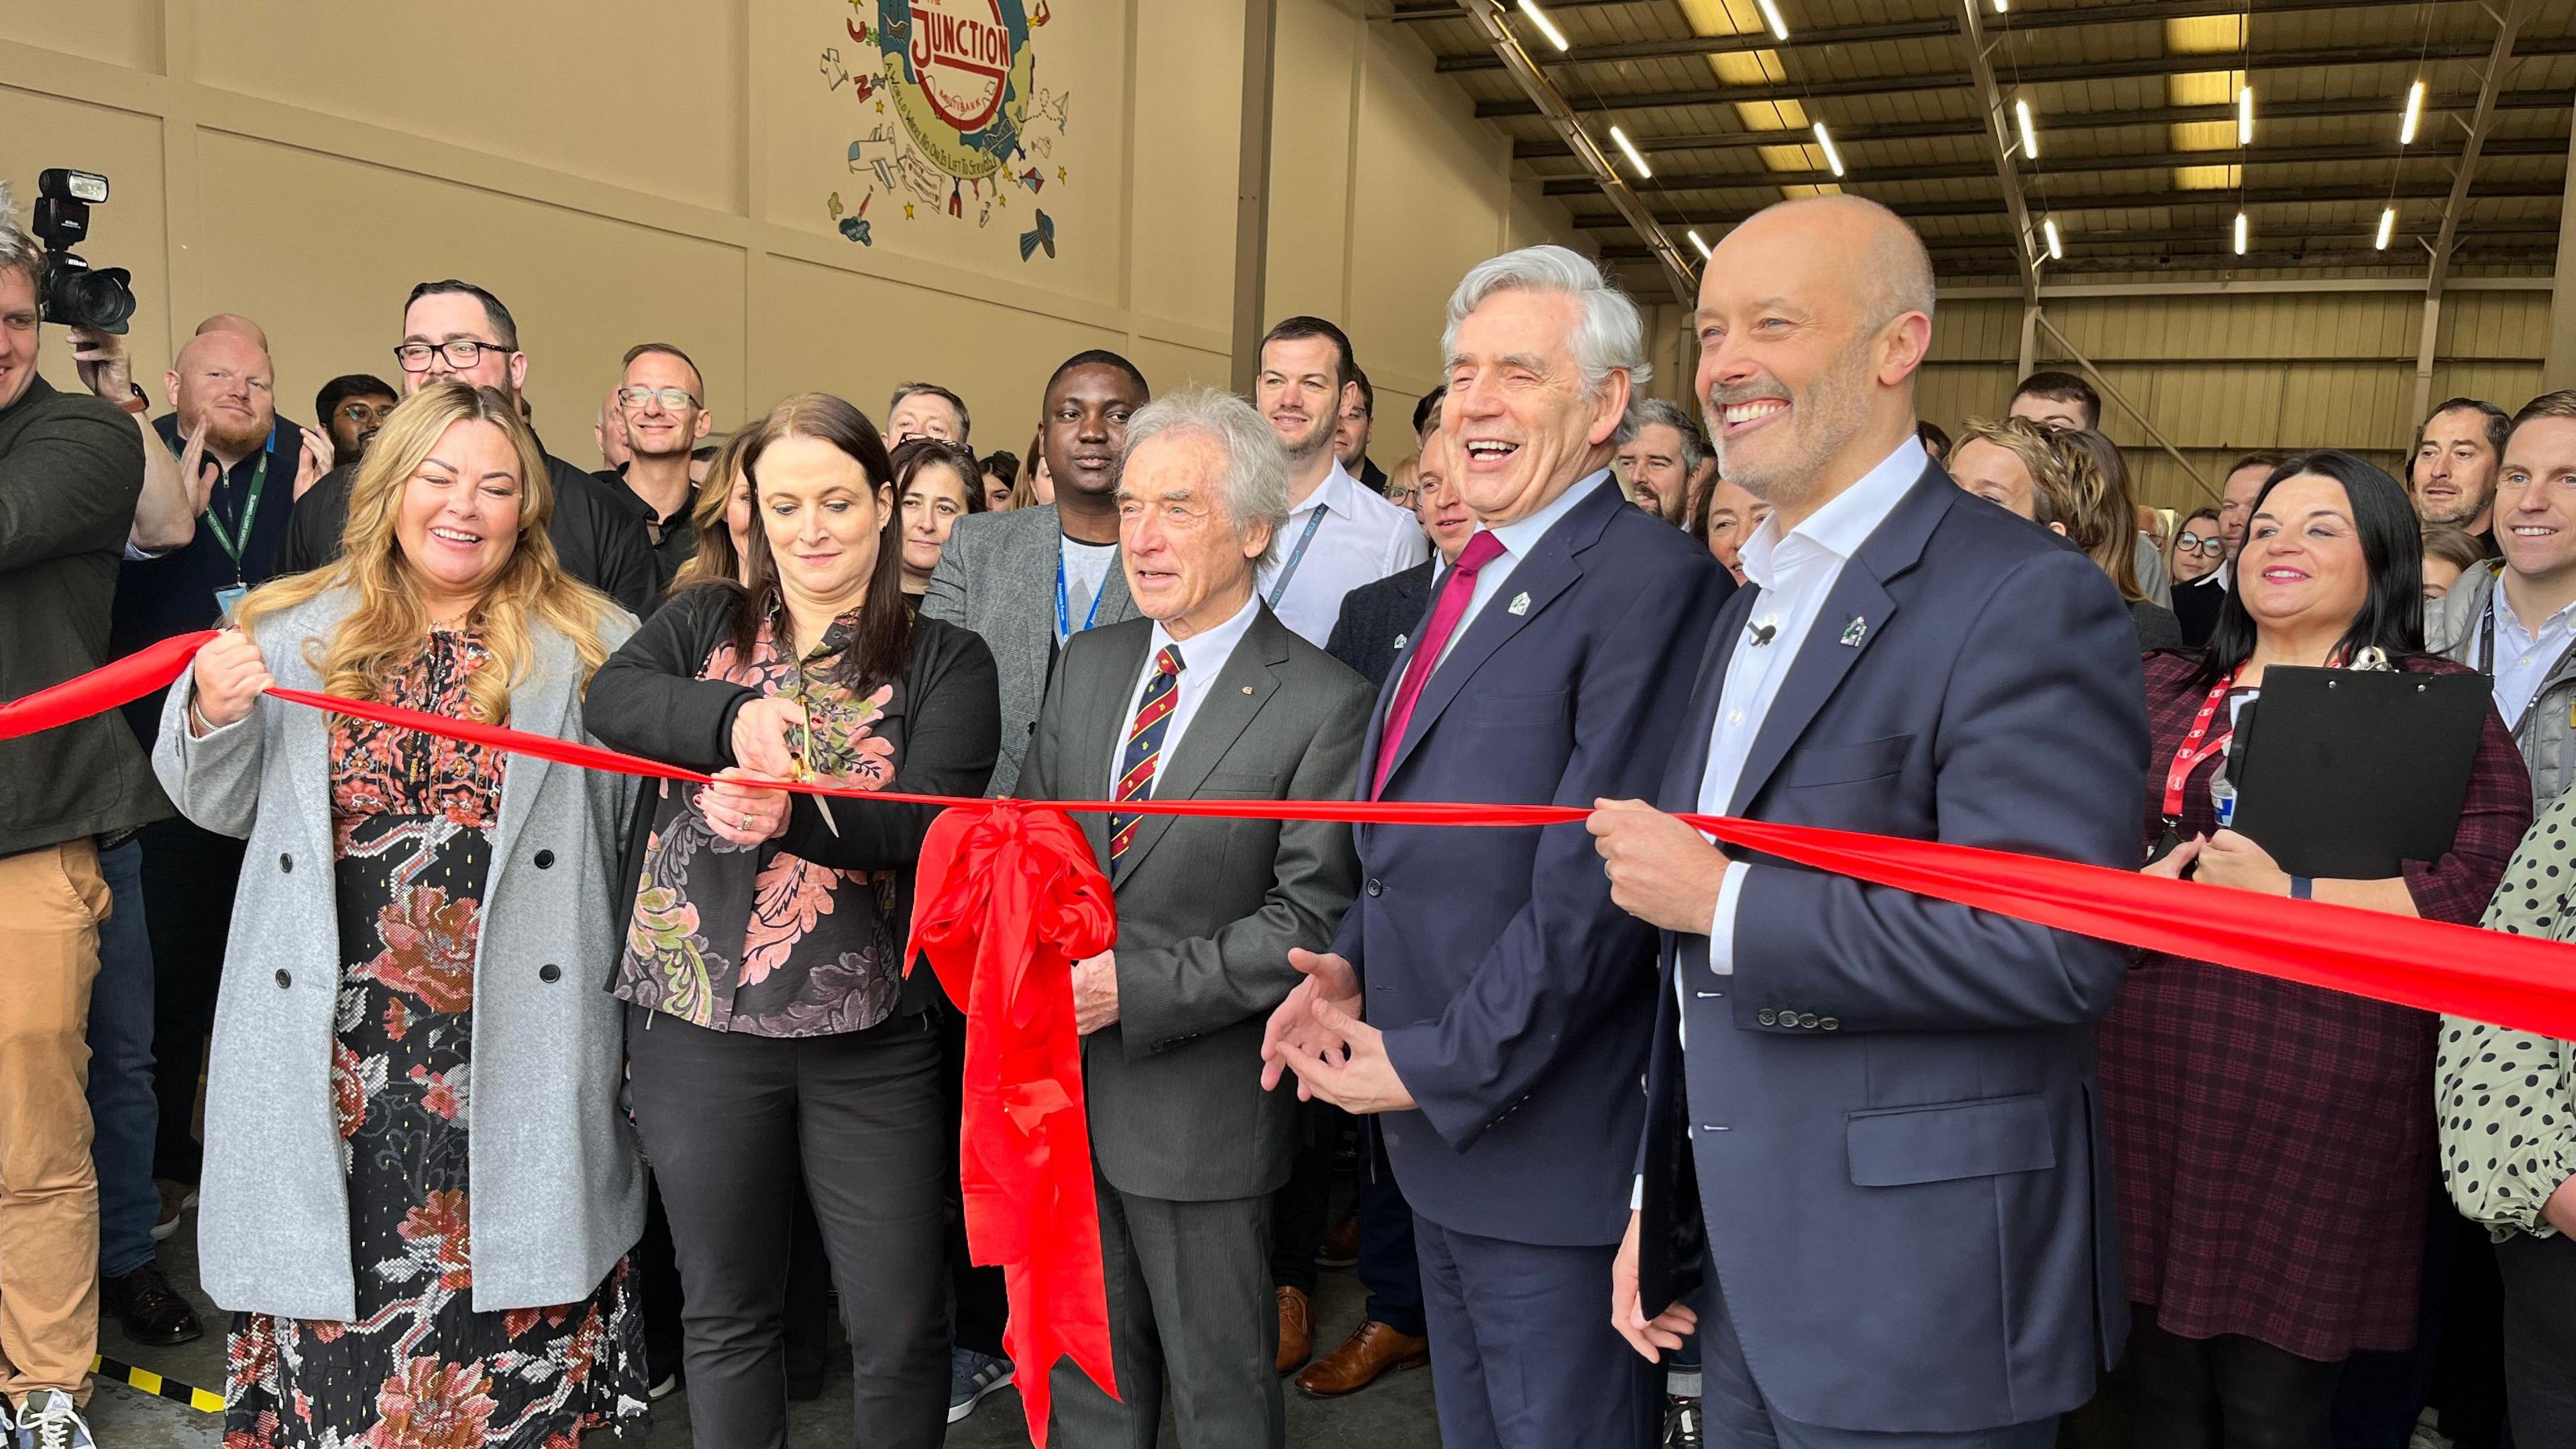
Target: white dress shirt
(2522, 658)
(1796, 574)
(1517, 538)
(1359, 538)
(1203, 657)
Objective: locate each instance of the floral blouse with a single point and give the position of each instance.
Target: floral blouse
(754, 939)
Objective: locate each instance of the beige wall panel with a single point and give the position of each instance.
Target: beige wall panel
(645, 94)
(130, 231)
(1310, 158)
(1166, 365)
(120, 32)
(1963, 330)
(2506, 384)
(582, 288)
(1073, 136)
(835, 331)
(1183, 267)
(1429, 198)
(2493, 324)
(1951, 393)
(2360, 406)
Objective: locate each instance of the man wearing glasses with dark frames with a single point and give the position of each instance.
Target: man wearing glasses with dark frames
(457, 330)
(661, 407)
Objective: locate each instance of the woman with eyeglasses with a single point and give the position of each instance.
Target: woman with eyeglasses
(2199, 584)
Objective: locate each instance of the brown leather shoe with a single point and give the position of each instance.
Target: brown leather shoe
(1296, 1329)
(1371, 1350)
(1341, 1247)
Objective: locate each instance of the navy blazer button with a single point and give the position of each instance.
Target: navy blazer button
(1376, 887)
(285, 862)
(284, 980)
(550, 972)
(545, 859)
(1830, 1024)
(1807, 1019)
(1767, 1017)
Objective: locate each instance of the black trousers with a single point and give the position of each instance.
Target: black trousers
(983, 1302)
(1301, 1211)
(2228, 1392)
(728, 1120)
(189, 877)
(2539, 1339)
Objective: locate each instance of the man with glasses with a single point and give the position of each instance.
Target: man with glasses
(661, 406)
(353, 409)
(456, 330)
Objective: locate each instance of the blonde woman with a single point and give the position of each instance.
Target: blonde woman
(722, 516)
(2051, 479)
(414, 966)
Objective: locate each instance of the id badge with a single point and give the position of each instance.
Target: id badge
(225, 599)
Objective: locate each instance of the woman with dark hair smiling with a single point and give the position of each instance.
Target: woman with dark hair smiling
(770, 1026)
(936, 483)
(2273, 1142)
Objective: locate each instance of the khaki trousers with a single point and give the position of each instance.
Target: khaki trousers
(51, 903)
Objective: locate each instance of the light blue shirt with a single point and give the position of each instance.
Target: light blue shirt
(2522, 658)
(1517, 538)
(1796, 573)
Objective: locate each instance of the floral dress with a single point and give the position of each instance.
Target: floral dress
(411, 820)
(753, 939)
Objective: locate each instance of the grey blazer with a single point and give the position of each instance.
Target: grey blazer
(1207, 909)
(558, 1186)
(996, 576)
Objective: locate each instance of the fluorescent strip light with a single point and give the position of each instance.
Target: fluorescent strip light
(2240, 233)
(1833, 158)
(1630, 148)
(2056, 248)
(1999, 7)
(1695, 241)
(2387, 227)
(2414, 114)
(2245, 115)
(1779, 27)
(2029, 132)
(1545, 26)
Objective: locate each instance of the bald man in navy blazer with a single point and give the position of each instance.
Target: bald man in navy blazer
(1507, 1001)
(1884, 1104)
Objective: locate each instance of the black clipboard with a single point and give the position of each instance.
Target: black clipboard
(2353, 772)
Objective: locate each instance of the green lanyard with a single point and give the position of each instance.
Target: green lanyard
(239, 539)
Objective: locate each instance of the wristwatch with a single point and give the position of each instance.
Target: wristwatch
(136, 401)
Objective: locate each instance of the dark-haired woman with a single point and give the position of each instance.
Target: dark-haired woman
(2197, 560)
(770, 1028)
(2273, 1142)
(936, 483)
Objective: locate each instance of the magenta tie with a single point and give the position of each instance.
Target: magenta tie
(1455, 591)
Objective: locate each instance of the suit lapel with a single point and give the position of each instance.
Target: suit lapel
(541, 705)
(1249, 679)
(1690, 758)
(1042, 553)
(1854, 618)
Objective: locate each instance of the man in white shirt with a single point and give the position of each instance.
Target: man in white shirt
(1206, 696)
(1340, 535)
(1883, 1103)
(2236, 497)
(2515, 617)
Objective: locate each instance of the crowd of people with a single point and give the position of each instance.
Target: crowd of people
(532, 1093)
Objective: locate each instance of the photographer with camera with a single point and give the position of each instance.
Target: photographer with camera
(71, 470)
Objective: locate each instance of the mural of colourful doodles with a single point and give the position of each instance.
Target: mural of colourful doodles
(951, 118)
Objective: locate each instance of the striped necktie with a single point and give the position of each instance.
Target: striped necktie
(1145, 745)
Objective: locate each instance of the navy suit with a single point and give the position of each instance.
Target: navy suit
(1515, 998)
(1891, 1101)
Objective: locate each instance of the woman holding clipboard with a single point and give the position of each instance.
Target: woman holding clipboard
(2273, 1142)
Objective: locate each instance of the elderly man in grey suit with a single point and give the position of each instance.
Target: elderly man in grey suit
(1208, 696)
(1030, 579)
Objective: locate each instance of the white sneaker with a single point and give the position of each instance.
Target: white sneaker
(48, 1419)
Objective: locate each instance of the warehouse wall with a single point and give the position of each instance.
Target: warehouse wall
(698, 171)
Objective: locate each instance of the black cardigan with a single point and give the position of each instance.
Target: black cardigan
(648, 700)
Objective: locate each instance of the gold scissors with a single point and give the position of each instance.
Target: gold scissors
(803, 772)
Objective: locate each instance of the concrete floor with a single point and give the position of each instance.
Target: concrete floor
(1394, 1413)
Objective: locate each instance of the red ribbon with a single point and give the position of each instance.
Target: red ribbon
(1008, 896)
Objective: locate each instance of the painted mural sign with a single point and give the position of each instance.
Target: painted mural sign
(952, 121)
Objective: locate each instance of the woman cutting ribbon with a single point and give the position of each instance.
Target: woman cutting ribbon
(416, 918)
(770, 1023)
(2273, 1141)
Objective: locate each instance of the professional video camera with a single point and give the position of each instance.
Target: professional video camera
(74, 293)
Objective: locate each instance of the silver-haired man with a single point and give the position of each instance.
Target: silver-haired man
(1207, 695)
(1508, 1001)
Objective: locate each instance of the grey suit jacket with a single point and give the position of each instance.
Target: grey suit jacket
(558, 1186)
(1207, 909)
(997, 577)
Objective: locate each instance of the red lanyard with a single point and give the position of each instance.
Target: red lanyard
(2188, 758)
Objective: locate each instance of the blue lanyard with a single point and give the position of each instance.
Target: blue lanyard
(1063, 606)
(1288, 570)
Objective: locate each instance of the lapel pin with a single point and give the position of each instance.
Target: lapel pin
(1855, 631)
(1247, 689)
(1520, 604)
(1400, 641)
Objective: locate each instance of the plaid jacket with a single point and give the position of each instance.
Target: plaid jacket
(2272, 1142)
